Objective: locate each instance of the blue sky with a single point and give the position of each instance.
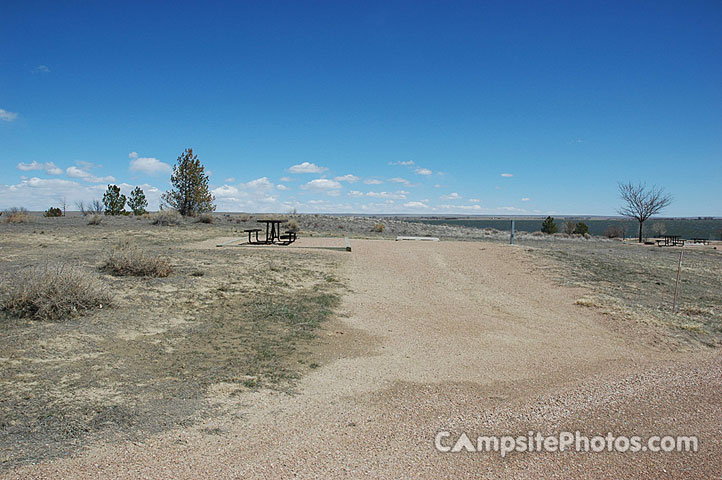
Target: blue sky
(365, 107)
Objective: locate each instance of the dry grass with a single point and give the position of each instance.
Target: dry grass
(205, 218)
(54, 292)
(16, 215)
(127, 260)
(167, 217)
(95, 220)
(379, 228)
(292, 225)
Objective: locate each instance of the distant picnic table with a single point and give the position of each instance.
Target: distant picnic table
(671, 241)
(273, 233)
(703, 241)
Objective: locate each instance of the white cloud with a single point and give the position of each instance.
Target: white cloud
(459, 207)
(7, 116)
(75, 172)
(474, 200)
(355, 193)
(399, 180)
(507, 175)
(262, 184)
(230, 180)
(307, 167)
(525, 199)
(286, 179)
(347, 178)
(373, 181)
(41, 69)
(281, 187)
(406, 163)
(451, 196)
(148, 165)
(225, 191)
(49, 167)
(322, 184)
(424, 171)
(415, 205)
(400, 195)
(437, 186)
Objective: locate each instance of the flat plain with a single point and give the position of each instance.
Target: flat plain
(273, 362)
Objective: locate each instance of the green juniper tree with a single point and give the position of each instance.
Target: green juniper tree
(137, 201)
(190, 194)
(549, 226)
(114, 201)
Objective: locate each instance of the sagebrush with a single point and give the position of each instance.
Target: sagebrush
(54, 292)
(166, 217)
(16, 215)
(128, 260)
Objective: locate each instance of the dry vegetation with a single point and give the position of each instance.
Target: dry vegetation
(126, 259)
(227, 320)
(16, 215)
(54, 292)
(166, 217)
(636, 283)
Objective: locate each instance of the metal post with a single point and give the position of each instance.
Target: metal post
(511, 238)
(676, 285)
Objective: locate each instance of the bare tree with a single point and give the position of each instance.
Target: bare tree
(641, 202)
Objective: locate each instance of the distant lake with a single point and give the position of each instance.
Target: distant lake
(686, 228)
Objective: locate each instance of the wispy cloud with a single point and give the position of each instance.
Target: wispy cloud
(525, 199)
(405, 163)
(41, 69)
(399, 180)
(415, 205)
(507, 175)
(399, 195)
(322, 184)
(451, 196)
(49, 167)
(347, 178)
(149, 165)
(307, 167)
(355, 193)
(7, 116)
(75, 172)
(424, 171)
(373, 181)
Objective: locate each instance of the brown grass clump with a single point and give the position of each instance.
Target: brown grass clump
(292, 225)
(205, 218)
(166, 217)
(95, 219)
(54, 292)
(126, 260)
(378, 228)
(16, 215)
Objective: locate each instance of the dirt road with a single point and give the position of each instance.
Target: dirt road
(449, 336)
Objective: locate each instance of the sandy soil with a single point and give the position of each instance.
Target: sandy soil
(456, 336)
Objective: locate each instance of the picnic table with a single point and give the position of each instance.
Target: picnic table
(671, 241)
(273, 233)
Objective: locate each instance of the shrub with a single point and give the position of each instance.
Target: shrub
(378, 228)
(581, 229)
(94, 207)
(569, 227)
(54, 292)
(549, 226)
(96, 219)
(126, 260)
(614, 231)
(292, 225)
(53, 212)
(166, 217)
(205, 218)
(16, 215)
(244, 217)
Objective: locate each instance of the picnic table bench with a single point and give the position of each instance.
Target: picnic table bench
(273, 233)
(703, 241)
(671, 241)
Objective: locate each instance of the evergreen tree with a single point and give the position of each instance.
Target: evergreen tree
(114, 201)
(137, 201)
(549, 226)
(190, 194)
(581, 229)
